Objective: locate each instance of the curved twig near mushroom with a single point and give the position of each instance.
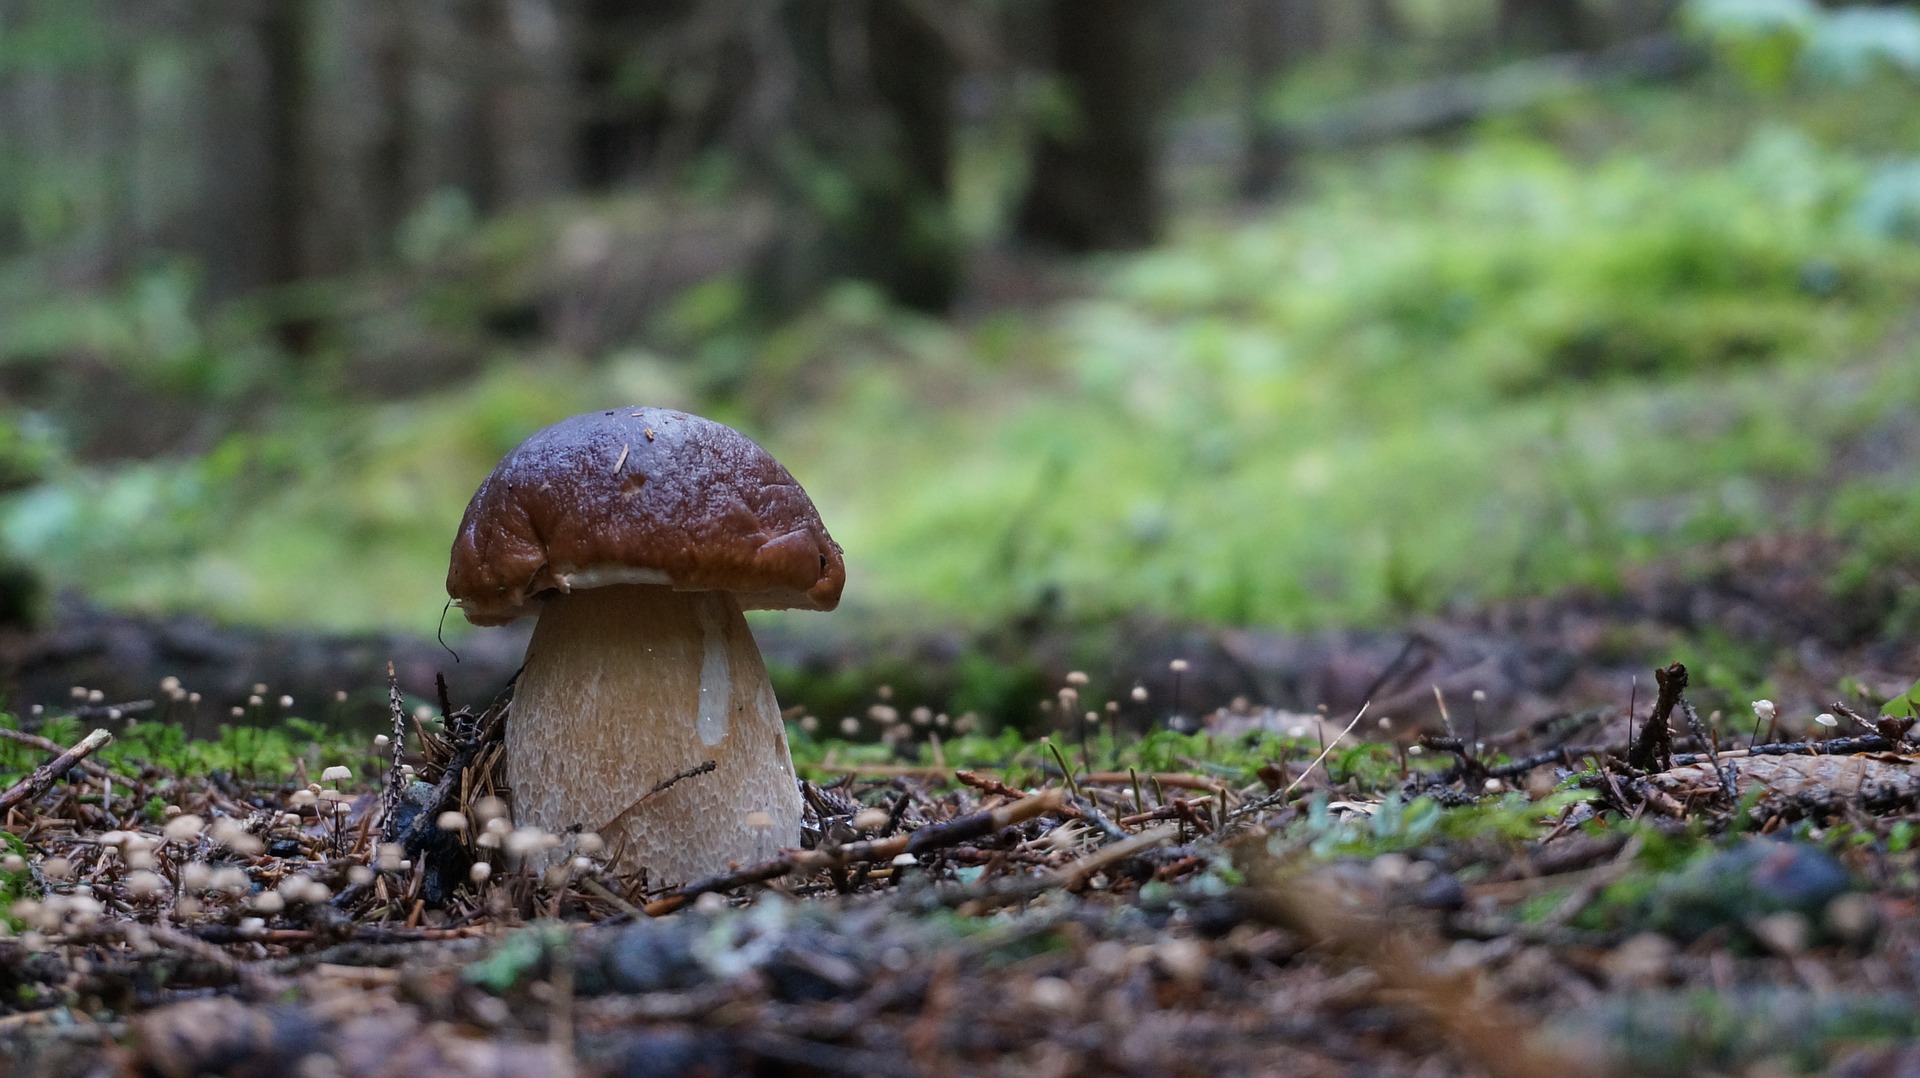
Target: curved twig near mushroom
(637, 536)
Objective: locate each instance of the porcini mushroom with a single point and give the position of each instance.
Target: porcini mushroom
(638, 536)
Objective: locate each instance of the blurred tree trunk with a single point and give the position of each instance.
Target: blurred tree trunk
(386, 191)
(248, 232)
(1384, 24)
(905, 238)
(1529, 26)
(283, 34)
(1276, 34)
(869, 155)
(629, 105)
(534, 103)
(1093, 184)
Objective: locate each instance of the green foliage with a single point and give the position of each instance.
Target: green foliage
(1364, 766)
(1467, 371)
(519, 957)
(1768, 41)
(1880, 521)
(1906, 705)
(1686, 887)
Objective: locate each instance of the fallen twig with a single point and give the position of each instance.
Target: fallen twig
(1724, 771)
(259, 983)
(1070, 876)
(1078, 872)
(44, 745)
(988, 784)
(48, 773)
(1177, 779)
(931, 837)
(1834, 746)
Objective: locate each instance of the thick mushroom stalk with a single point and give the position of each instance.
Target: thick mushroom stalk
(631, 684)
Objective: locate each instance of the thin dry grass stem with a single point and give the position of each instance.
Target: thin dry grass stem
(1324, 753)
(1725, 771)
(1279, 797)
(600, 891)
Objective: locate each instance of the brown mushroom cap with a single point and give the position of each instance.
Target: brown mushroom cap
(641, 496)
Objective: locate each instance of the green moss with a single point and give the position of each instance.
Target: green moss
(266, 752)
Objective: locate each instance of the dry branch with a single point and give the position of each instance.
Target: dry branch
(44, 745)
(931, 837)
(48, 773)
(985, 897)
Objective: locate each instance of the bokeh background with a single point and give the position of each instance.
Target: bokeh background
(1285, 314)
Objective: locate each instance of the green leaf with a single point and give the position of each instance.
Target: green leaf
(1904, 706)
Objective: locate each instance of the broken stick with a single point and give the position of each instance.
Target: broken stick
(933, 836)
(44, 776)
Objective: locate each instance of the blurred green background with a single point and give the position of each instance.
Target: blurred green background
(1259, 312)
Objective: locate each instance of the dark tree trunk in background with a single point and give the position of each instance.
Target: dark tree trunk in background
(1529, 26)
(871, 166)
(624, 110)
(1384, 25)
(386, 195)
(1637, 18)
(534, 104)
(283, 35)
(904, 237)
(1093, 185)
(247, 230)
(1275, 33)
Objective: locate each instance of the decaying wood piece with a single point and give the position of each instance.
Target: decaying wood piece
(1803, 779)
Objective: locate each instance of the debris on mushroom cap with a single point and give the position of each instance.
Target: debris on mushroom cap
(640, 496)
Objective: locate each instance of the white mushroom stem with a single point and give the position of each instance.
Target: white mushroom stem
(630, 684)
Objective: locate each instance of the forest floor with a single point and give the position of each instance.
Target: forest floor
(1521, 883)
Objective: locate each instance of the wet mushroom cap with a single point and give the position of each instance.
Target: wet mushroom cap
(641, 496)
